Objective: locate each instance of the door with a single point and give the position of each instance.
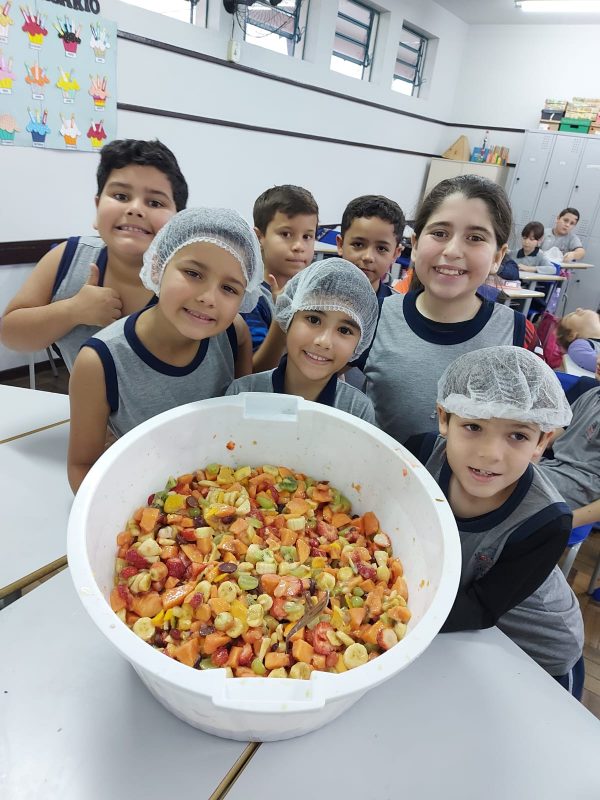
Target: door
(560, 177)
(586, 191)
(529, 175)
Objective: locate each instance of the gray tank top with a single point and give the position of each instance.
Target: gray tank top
(547, 625)
(409, 354)
(139, 385)
(73, 273)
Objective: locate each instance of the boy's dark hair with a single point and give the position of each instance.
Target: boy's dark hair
(569, 211)
(374, 205)
(535, 229)
(290, 200)
(472, 187)
(122, 153)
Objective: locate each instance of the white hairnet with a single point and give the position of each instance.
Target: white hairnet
(332, 284)
(222, 227)
(504, 382)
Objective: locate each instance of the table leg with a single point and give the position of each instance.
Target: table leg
(526, 306)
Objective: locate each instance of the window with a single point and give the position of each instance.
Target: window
(410, 61)
(184, 10)
(279, 29)
(354, 39)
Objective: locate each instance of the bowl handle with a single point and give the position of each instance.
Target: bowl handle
(275, 407)
(269, 695)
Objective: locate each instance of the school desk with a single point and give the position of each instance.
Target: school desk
(27, 410)
(570, 265)
(35, 508)
(507, 294)
(78, 723)
(473, 717)
(324, 248)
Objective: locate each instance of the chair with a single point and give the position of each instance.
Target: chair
(31, 362)
(571, 367)
(576, 539)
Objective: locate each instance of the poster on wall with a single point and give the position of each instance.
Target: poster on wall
(58, 75)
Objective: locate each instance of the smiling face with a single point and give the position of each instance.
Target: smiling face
(201, 290)
(134, 205)
(487, 457)
(565, 224)
(288, 244)
(320, 343)
(370, 244)
(457, 249)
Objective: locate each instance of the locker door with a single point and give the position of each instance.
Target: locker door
(586, 191)
(529, 175)
(560, 177)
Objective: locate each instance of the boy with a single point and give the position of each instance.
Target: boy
(497, 408)
(88, 282)
(285, 221)
(371, 236)
(328, 313)
(563, 237)
(530, 258)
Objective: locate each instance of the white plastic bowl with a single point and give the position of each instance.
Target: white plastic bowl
(372, 469)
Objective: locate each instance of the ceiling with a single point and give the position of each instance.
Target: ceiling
(503, 12)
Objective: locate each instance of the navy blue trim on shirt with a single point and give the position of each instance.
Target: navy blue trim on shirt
(233, 342)
(327, 396)
(67, 258)
(421, 445)
(533, 524)
(110, 372)
(444, 332)
(385, 290)
(486, 521)
(362, 359)
(534, 252)
(519, 329)
(151, 360)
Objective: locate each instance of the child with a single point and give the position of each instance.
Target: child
(371, 238)
(204, 265)
(497, 408)
(329, 313)
(460, 237)
(574, 468)
(530, 258)
(578, 333)
(88, 282)
(563, 237)
(285, 221)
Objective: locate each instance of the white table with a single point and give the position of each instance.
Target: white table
(35, 508)
(472, 718)
(324, 248)
(527, 295)
(26, 410)
(76, 721)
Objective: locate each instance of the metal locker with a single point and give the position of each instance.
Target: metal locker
(586, 191)
(529, 175)
(583, 290)
(559, 180)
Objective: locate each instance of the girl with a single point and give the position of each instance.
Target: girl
(205, 267)
(578, 334)
(460, 237)
(328, 312)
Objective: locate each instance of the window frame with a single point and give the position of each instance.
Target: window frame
(419, 67)
(369, 45)
(296, 37)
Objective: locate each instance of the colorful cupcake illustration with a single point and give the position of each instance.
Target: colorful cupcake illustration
(96, 134)
(68, 85)
(70, 36)
(7, 76)
(69, 131)
(98, 91)
(99, 42)
(5, 20)
(34, 27)
(8, 128)
(37, 79)
(37, 126)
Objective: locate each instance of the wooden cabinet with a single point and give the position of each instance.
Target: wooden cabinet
(442, 168)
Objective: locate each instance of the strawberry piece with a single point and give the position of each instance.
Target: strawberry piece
(128, 572)
(196, 600)
(246, 656)
(277, 610)
(327, 531)
(187, 534)
(220, 657)
(176, 567)
(135, 559)
(365, 571)
(321, 643)
(125, 595)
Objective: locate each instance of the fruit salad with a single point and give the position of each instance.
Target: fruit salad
(261, 570)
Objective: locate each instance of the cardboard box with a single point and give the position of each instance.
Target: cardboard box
(595, 129)
(548, 125)
(555, 105)
(550, 114)
(574, 125)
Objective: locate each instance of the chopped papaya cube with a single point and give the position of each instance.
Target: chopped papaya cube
(149, 518)
(370, 523)
(188, 652)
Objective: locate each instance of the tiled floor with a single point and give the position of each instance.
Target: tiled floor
(579, 578)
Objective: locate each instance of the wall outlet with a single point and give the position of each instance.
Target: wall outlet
(234, 51)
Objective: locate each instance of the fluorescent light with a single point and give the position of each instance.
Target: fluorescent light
(560, 6)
